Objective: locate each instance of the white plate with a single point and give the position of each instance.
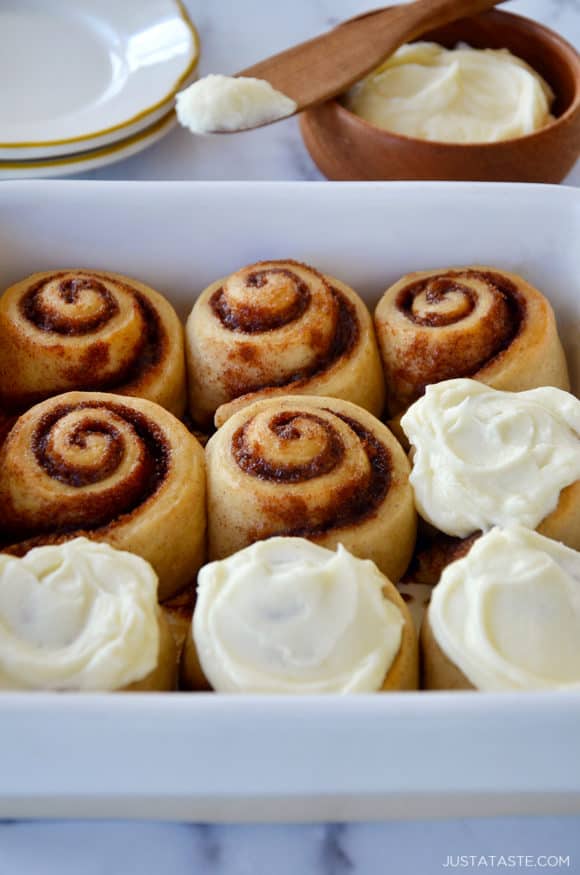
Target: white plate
(83, 161)
(81, 74)
(211, 757)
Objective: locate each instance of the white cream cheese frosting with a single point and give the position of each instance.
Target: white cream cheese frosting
(482, 457)
(218, 103)
(77, 616)
(508, 613)
(287, 616)
(460, 95)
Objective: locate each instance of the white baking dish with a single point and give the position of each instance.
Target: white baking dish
(211, 757)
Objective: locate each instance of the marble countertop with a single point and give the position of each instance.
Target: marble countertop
(234, 34)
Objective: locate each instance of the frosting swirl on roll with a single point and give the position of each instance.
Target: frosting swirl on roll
(288, 616)
(508, 613)
(484, 457)
(78, 616)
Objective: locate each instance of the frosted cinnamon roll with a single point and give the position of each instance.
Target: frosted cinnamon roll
(287, 616)
(506, 616)
(466, 322)
(318, 468)
(279, 327)
(89, 330)
(121, 470)
(482, 458)
(82, 616)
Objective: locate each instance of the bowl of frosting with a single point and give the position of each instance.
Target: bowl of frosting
(494, 97)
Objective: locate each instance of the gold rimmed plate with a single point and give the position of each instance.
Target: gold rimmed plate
(81, 162)
(80, 75)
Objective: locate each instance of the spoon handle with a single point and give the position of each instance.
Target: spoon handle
(328, 65)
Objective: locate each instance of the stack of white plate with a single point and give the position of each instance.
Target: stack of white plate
(88, 82)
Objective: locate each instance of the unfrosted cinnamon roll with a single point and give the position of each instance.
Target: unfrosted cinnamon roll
(120, 470)
(82, 616)
(466, 322)
(279, 327)
(89, 330)
(319, 468)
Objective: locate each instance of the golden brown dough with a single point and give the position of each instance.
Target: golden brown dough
(438, 672)
(119, 470)
(163, 678)
(178, 612)
(191, 676)
(320, 468)
(476, 322)
(90, 330)
(280, 327)
(563, 524)
(404, 671)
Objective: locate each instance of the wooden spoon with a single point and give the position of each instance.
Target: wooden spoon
(324, 67)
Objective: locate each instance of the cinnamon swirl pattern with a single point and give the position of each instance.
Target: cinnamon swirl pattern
(119, 470)
(467, 322)
(319, 468)
(89, 330)
(277, 327)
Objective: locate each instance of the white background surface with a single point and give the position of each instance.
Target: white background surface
(234, 34)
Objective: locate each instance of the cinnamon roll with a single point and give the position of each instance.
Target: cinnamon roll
(466, 322)
(89, 330)
(506, 616)
(319, 468)
(482, 458)
(82, 616)
(120, 470)
(288, 616)
(280, 327)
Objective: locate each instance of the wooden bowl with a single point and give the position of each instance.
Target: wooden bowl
(345, 146)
